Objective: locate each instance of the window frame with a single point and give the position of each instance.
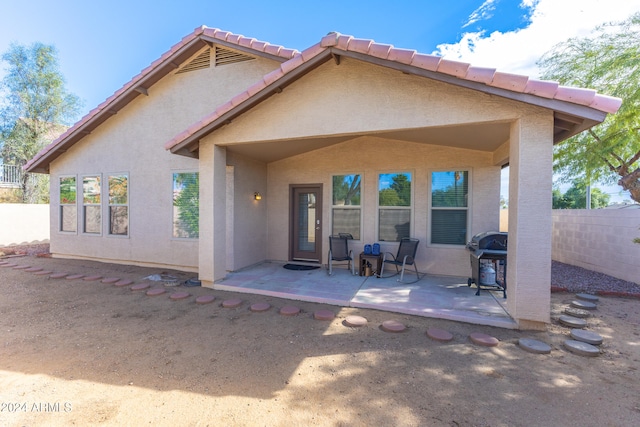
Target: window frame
(109, 205)
(409, 208)
(467, 208)
(358, 207)
(173, 221)
(61, 205)
(99, 205)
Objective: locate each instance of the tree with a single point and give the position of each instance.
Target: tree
(34, 108)
(608, 61)
(576, 197)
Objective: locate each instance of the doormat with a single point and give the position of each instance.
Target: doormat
(300, 267)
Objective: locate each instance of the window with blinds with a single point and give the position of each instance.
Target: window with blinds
(118, 204)
(68, 208)
(92, 204)
(186, 205)
(394, 206)
(449, 207)
(346, 210)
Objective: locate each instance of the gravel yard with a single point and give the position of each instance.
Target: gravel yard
(75, 352)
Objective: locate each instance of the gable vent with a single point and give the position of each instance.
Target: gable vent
(227, 56)
(198, 63)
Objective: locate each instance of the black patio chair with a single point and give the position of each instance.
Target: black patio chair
(339, 252)
(406, 256)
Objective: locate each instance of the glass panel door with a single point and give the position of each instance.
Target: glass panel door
(306, 244)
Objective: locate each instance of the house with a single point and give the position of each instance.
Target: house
(228, 151)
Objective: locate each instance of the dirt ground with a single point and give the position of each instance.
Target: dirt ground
(75, 352)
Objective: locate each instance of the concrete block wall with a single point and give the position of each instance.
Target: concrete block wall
(599, 240)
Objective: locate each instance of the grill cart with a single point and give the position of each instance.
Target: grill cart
(488, 261)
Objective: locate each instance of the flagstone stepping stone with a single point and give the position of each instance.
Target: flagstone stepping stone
(58, 275)
(355, 321)
(205, 299)
(289, 310)
(33, 269)
(587, 297)
(21, 267)
(259, 307)
(75, 276)
(582, 348)
(534, 346)
(43, 272)
(393, 326)
(438, 334)
(572, 322)
(156, 291)
(584, 305)
(324, 315)
(140, 286)
(586, 336)
(122, 283)
(232, 303)
(9, 265)
(483, 339)
(577, 312)
(179, 295)
(110, 280)
(92, 278)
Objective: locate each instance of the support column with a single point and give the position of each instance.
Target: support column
(213, 206)
(530, 182)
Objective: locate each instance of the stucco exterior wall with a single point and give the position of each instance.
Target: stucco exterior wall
(132, 142)
(356, 97)
(369, 156)
(249, 216)
(599, 240)
(530, 180)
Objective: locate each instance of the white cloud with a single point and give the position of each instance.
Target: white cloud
(485, 11)
(552, 22)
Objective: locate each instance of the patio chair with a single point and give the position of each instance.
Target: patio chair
(406, 256)
(339, 252)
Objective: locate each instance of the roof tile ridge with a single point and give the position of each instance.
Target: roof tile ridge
(251, 43)
(509, 81)
(575, 95)
(606, 103)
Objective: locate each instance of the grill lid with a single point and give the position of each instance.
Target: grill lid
(491, 240)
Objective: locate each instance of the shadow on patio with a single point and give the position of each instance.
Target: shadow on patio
(443, 297)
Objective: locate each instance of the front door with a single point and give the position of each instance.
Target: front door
(306, 222)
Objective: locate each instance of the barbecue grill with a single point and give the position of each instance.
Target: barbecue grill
(488, 261)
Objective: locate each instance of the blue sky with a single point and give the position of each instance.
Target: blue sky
(102, 45)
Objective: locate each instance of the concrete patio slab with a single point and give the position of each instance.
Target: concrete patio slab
(441, 297)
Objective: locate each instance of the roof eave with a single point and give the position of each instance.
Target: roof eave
(118, 102)
(213, 41)
(586, 116)
(551, 104)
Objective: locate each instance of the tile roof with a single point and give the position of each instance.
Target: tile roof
(436, 64)
(106, 108)
(294, 60)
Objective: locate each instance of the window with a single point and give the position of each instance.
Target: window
(91, 204)
(118, 204)
(345, 213)
(186, 205)
(68, 210)
(394, 206)
(449, 207)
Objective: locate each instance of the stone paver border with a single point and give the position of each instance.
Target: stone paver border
(583, 343)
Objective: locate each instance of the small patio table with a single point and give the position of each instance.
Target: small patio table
(374, 260)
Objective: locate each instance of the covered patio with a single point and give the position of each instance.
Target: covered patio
(443, 297)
